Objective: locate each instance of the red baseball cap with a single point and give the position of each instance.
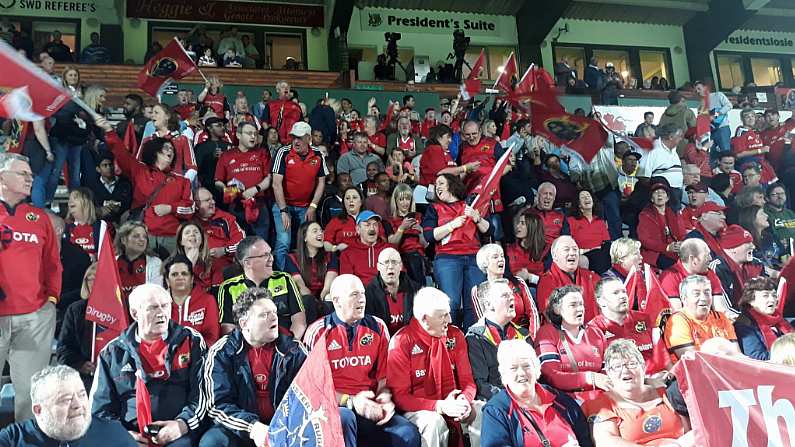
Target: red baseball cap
(709, 207)
(734, 236)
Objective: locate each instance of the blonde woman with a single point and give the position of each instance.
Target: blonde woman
(82, 228)
(783, 350)
(407, 233)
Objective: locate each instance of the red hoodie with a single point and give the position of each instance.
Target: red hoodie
(362, 260)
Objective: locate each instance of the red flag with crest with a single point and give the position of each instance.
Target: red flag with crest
(655, 302)
(42, 96)
(580, 134)
(172, 62)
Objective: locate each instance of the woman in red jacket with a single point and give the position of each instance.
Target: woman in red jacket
(167, 126)
(526, 255)
(161, 197)
(191, 306)
(589, 231)
(660, 229)
(192, 243)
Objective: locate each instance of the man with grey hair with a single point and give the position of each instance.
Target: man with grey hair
(168, 358)
(248, 373)
(697, 322)
(61, 415)
(484, 337)
(430, 375)
(663, 161)
(282, 112)
(565, 270)
(555, 222)
(30, 280)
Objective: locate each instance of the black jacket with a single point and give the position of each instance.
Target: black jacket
(375, 292)
(100, 432)
(482, 352)
(229, 382)
(74, 341)
(122, 193)
(322, 118)
(178, 397)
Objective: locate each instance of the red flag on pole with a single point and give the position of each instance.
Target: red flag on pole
(505, 81)
(580, 134)
(631, 286)
(471, 85)
(655, 302)
(44, 95)
(17, 105)
(105, 307)
(475, 72)
(143, 403)
(309, 410)
(130, 139)
(491, 184)
(172, 62)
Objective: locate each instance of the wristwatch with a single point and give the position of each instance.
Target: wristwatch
(284, 210)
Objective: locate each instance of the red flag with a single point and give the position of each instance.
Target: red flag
(309, 410)
(583, 135)
(172, 62)
(475, 72)
(17, 105)
(130, 138)
(737, 401)
(491, 184)
(505, 80)
(143, 403)
(105, 306)
(655, 302)
(45, 96)
(631, 286)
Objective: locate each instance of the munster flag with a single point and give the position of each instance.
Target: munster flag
(105, 307)
(172, 62)
(17, 104)
(309, 414)
(508, 76)
(655, 302)
(43, 97)
(143, 403)
(491, 184)
(583, 135)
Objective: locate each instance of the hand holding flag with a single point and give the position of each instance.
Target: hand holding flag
(491, 183)
(172, 62)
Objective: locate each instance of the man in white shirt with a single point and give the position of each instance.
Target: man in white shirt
(663, 161)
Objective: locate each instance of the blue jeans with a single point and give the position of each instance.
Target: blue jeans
(611, 204)
(722, 137)
(456, 275)
(64, 154)
(38, 192)
(284, 237)
(398, 432)
(219, 436)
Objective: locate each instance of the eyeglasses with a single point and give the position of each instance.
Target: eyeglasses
(267, 256)
(617, 367)
(777, 194)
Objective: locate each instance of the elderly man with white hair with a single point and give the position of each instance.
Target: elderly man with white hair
(495, 327)
(61, 415)
(390, 295)
(429, 372)
(555, 222)
(168, 361)
(357, 346)
(565, 270)
(526, 413)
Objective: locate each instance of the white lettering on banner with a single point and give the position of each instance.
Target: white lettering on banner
(357, 360)
(27, 237)
(102, 317)
(739, 403)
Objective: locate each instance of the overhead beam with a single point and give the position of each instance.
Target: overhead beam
(705, 30)
(668, 4)
(755, 4)
(533, 26)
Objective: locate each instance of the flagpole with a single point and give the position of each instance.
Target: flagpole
(94, 343)
(186, 53)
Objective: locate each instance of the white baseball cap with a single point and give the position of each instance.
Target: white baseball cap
(300, 129)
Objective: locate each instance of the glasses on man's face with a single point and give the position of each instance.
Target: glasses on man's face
(617, 367)
(777, 194)
(266, 256)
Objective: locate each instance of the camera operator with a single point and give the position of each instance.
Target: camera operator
(460, 45)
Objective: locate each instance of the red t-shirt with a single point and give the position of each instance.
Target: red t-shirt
(215, 102)
(249, 167)
(260, 360)
(82, 235)
(433, 160)
(410, 243)
(338, 231)
(588, 234)
(519, 258)
(300, 174)
(586, 350)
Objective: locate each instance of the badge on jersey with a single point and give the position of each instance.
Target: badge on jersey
(32, 217)
(640, 326)
(366, 340)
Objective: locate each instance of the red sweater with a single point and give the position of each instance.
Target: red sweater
(30, 264)
(362, 260)
(555, 278)
(656, 231)
(200, 312)
(176, 192)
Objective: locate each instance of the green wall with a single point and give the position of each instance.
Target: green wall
(626, 34)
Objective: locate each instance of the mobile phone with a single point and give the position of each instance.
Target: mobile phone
(151, 430)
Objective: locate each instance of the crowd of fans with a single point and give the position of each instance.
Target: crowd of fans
(246, 236)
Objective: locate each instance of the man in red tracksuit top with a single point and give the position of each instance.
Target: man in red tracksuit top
(477, 148)
(361, 257)
(30, 280)
(221, 228)
(617, 321)
(357, 346)
(283, 112)
(555, 222)
(430, 374)
(565, 270)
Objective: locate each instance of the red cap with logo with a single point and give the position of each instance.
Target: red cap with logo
(734, 236)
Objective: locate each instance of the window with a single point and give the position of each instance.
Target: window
(575, 56)
(495, 57)
(278, 47)
(42, 33)
(653, 63)
(730, 71)
(619, 58)
(766, 71)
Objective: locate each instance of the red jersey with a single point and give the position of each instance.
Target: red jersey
(222, 230)
(378, 139)
(410, 243)
(699, 158)
(210, 276)
(750, 141)
(185, 110)
(689, 218)
(555, 278)
(362, 260)
(301, 174)
(339, 231)
(184, 158)
(553, 224)
(249, 167)
(217, 103)
(558, 353)
(519, 258)
(357, 354)
(482, 152)
(408, 373)
(407, 145)
(638, 327)
(282, 114)
(30, 265)
(672, 277)
(434, 159)
(131, 273)
(293, 267)
(200, 312)
(426, 126)
(154, 187)
(588, 234)
(260, 360)
(83, 236)
(462, 241)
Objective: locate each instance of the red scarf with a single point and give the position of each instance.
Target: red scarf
(441, 380)
(562, 278)
(766, 323)
(143, 404)
(711, 241)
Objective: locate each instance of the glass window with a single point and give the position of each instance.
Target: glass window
(653, 64)
(575, 56)
(279, 47)
(42, 33)
(767, 71)
(619, 58)
(730, 71)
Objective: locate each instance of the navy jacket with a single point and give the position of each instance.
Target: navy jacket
(100, 432)
(499, 429)
(178, 397)
(750, 338)
(229, 382)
